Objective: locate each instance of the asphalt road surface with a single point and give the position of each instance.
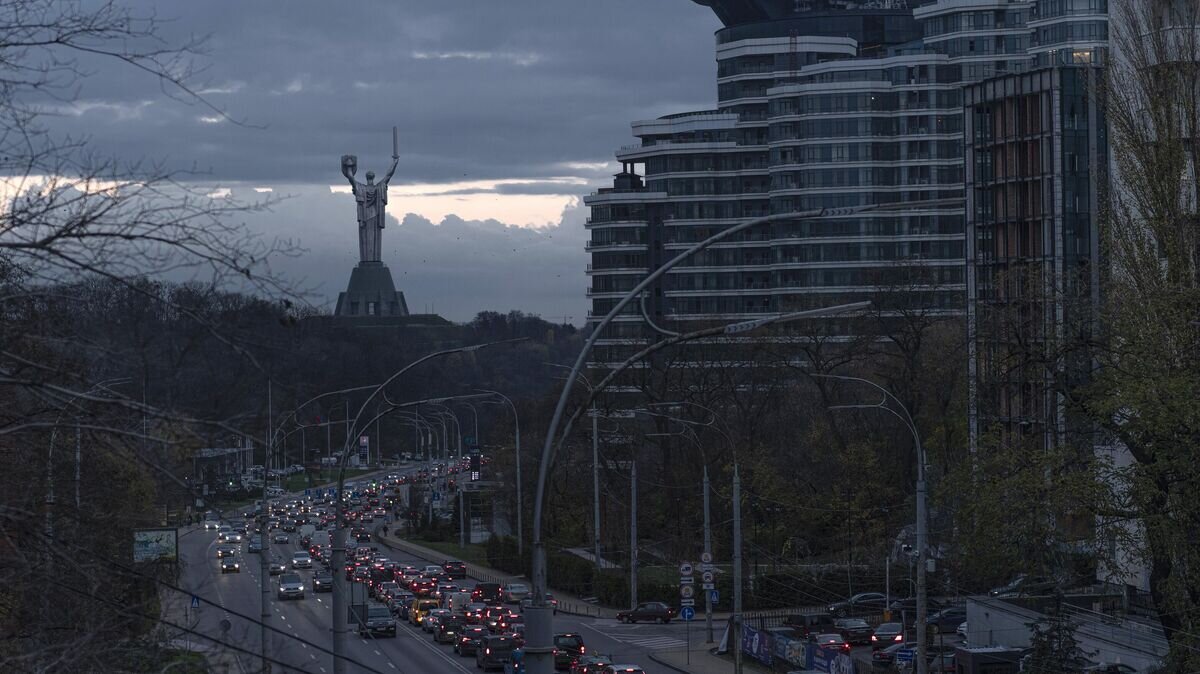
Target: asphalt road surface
(306, 622)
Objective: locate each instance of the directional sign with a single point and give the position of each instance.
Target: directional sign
(687, 580)
(687, 613)
(685, 569)
(687, 602)
(687, 591)
(706, 558)
(195, 601)
(714, 596)
(905, 655)
(707, 577)
(708, 586)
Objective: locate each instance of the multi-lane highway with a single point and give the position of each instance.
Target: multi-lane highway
(306, 623)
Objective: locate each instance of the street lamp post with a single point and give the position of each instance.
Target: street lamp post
(520, 507)
(595, 465)
(922, 512)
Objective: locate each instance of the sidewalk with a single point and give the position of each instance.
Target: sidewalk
(567, 603)
(699, 660)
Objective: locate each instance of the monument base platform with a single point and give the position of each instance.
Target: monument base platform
(371, 293)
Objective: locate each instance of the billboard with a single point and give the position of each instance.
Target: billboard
(757, 644)
(152, 545)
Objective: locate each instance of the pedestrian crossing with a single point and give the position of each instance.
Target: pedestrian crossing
(636, 635)
(656, 643)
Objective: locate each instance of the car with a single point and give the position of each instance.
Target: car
(474, 612)
(432, 570)
(276, 567)
(291, 586)
(513, 593)
(832, 641)
(1024, 585)
(322, 581)
(622, 669)
(233, 537)
(962, 630)
(455, 569)
(223, 531)
(860, 604)
(378, 620)
(301, 560)
(383, 588)
(433, 617)
(886, 634)
(419, 609)
(230, 565)
(855, 631)
(650, 611)
(225, 551)
(488, 593)
(946, 620)
(447, 629)
(528, 601)
(567, 647)
(282, 538)
(469, 639)
(806, 625)
(590, 664)
(884, 658)
(212, 524)
(493, 652)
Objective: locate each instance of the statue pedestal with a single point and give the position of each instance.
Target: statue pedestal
(371, 293)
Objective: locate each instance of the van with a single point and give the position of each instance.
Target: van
(419, 609)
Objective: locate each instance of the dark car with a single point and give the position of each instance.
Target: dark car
(1024, 585)
(493, 652)
(488, 593)
(470, 639)
(860, 604)
(832, 641)
(806, 625)
(651, 611)
(855, 631)
(884, 658)
(567, 647)
(447, 629)
(455, 569)
(322, 582)
(590, 664)
(887, 634)
(946, 620)
(378, 620)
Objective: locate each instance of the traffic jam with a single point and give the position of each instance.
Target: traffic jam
(478, 620)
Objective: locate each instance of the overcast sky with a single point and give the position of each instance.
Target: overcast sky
(509, 111)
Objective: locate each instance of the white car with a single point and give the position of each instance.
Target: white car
(212, 524)
(515, 592)
(432, 571)
(301, 560)
(291, 586)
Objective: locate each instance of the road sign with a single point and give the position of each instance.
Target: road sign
(195, 601)
(905, 655)
(687, 591)
(687, 613)
(706, 558)
(437, 495)
(687, 602)
(708, 586)
(685, 569)
(707, 576)
(714, 596)
(687, 580)
(307, 492)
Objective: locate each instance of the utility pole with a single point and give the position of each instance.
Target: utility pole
(78, 470)
(595, 486)
(922, 632)
(633, 537)
(263, 575)
(708, 606)
(736, 637)
(462, 531)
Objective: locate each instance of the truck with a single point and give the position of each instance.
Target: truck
(306, 532)
(456, 601)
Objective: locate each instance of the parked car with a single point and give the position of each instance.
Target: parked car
(806, 625)
(590, 664)
(493, 652)
(887, 633)
(946, 620)
(1023, 585)
(855, 631)
(884, 658)
(832, 641)
(860, 604)
(651, 611)
(567, 647)
(470, 639)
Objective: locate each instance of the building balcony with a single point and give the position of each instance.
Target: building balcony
(613, 245)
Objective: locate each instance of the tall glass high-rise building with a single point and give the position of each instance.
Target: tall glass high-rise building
(820, 103)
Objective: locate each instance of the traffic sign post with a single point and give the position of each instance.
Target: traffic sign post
(714, 596)
(687, 614)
